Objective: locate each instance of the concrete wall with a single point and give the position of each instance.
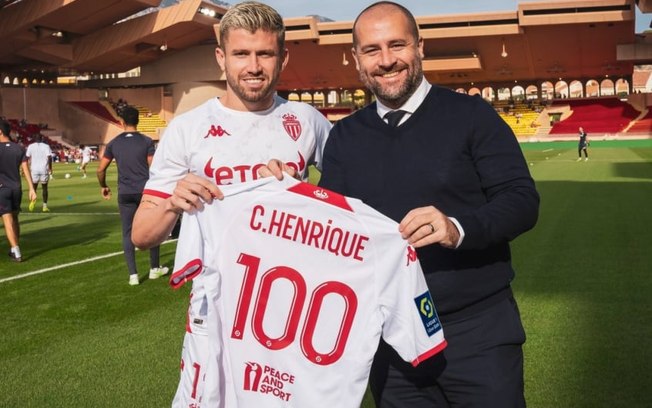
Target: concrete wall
(50, 105)
(80, 126)
(37, 105)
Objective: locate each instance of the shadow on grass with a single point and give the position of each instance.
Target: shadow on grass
(582, 280)
(633, 170)
(48, 237)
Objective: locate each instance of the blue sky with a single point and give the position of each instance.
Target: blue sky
(339, 10)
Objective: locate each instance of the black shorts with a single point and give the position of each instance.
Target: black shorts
(10, 199)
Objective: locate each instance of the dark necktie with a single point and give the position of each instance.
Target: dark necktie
(394, 117)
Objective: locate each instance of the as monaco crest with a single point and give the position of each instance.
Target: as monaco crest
(292, 126)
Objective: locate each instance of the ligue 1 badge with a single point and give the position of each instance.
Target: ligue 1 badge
(292, 126)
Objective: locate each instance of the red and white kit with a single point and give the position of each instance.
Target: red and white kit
(301, 284)
(228, 146)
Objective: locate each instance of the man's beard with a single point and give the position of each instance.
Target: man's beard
(398, 96)
(252, 96)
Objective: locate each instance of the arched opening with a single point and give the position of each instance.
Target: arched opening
(306, 97)
(504, 94)
(359, 98)
(607, 87)
(622, 88)
(547, 90)
(488, 94)
(518, 93)
(561, 89)
(592, 88)
(576, 90)
(319, 99)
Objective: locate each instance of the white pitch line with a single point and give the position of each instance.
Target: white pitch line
(54, 268)
(23, 213)
(547, 150)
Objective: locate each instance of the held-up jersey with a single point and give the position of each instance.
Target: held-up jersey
(301, 283)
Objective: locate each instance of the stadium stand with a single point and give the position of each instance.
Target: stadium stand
(606, 115)
(149, 123)
(521, 117)
(98, 109)
(23, 132)
(643, 125)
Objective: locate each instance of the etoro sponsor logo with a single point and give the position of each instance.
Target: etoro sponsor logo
(241, 173)
(267, 380)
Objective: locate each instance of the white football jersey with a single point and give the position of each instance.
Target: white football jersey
(301, 284)
(40, 155)
(86, 154)
(229, 146)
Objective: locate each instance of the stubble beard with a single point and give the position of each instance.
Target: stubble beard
(253, 96)
(394, 98)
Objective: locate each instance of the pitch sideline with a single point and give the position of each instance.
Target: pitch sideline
(54, 268)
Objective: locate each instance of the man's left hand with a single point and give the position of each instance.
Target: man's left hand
(427, 225)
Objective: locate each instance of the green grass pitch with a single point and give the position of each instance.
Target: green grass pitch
(80, 336)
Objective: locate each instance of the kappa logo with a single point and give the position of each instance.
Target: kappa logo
(292, 126)
(411, 255)
(216, 132)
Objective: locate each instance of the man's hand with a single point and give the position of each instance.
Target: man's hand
(191, 193)
(106, 193)
(32, 194)
(275, 168)
(427, 225)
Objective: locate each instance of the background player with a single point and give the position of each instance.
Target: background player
(12, 159)
(40, 165)
(228, 140)
(583, 145)
(133, 154)
(85, 158)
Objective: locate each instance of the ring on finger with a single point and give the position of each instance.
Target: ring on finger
(432, 228)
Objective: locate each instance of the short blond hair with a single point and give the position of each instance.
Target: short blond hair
(252, 16)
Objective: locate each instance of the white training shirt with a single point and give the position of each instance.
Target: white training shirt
(86, 154)
(227, 146)
(39, 155)
(302, 282)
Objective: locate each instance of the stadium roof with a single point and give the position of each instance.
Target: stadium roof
(108, 36)
(541, 41)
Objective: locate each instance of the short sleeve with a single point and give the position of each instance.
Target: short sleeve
(412, 326)
(169, 164)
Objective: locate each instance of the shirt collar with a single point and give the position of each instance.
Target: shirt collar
(411, 104)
